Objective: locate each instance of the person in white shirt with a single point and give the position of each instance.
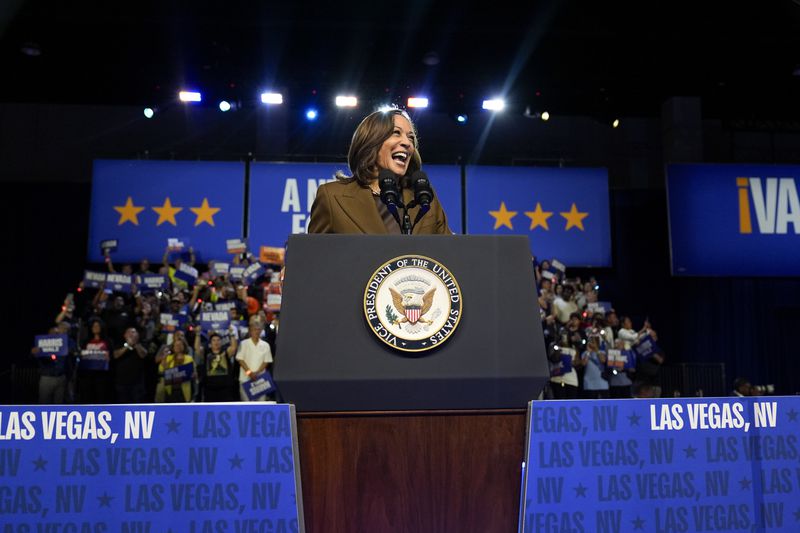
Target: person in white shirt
(254, 356)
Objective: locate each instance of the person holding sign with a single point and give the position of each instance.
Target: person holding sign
(219, 383)
(94, 379)
(384, 141)
(176, 373)
(129, 368)
(253, 356)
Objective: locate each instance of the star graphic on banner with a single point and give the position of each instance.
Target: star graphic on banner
(128, 212)
(166, 213)
(574, 217)
(503, 216)
(105, 500)
(633, 419)
(690, 451)
(205, 213)
(638, 523)
(39, 464)
(539, 217)
(236, 461)
(172, 426)
(745, 483)
(792, 414)
(580, 490)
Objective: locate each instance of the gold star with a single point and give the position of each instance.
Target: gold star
(503, 216)
(166, 213)
(128, 212)
(204, 213)
(539, 217)
(574, 218)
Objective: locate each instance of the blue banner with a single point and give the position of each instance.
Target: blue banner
(563, 211)
(259, 387)
(52, 345)
(146, 202)
(734, 220)
(182, 468)
(281, 195)
(666, 465)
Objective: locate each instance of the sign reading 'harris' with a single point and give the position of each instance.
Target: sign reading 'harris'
(734, 220)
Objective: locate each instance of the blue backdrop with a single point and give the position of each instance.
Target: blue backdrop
(281, 195)
(734, 220)
(563, 211)
(143, 203)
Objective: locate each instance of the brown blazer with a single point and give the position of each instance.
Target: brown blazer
(347, 207)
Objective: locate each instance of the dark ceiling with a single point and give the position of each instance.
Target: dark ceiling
(599, 58)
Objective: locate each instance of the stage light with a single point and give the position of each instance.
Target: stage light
(224, 106)
(615, 124)
(417, 102)
(385, 108)
(189, 96)
(346, 101)
(462, 119)
(496, 104)
(271, 98)
(311, 114)
(149, 112)
(545, 116)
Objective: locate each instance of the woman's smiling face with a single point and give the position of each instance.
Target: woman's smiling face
(396, 151)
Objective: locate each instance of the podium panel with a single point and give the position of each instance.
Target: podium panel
(329, 359)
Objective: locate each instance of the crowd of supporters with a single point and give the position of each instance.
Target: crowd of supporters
(593, 351)
(138, 343)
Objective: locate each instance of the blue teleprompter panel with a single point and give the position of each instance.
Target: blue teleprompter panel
(156, 468)
(662, 465)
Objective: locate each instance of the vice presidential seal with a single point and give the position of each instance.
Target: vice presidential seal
(412, 303)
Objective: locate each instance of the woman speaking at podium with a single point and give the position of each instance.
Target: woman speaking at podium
(384, 141)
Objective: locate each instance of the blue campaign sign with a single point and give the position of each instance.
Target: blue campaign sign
(259, 387)
(281, 195)
(191, 468)
(563, 211)
(145, 203)
(666, 465)
(734, 220)
(93, 280)
(119, 282)
(52, 345)
(152, 282)
(215, 320)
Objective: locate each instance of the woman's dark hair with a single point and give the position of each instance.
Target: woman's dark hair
(367, 141)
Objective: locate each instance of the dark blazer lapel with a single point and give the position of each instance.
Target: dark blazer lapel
(358, 205)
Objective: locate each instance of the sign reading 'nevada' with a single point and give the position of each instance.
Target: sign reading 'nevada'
(734, 220)
(141, 204)
(563, 211)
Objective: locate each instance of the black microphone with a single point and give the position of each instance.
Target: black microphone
(423, 193)
(390, 192)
